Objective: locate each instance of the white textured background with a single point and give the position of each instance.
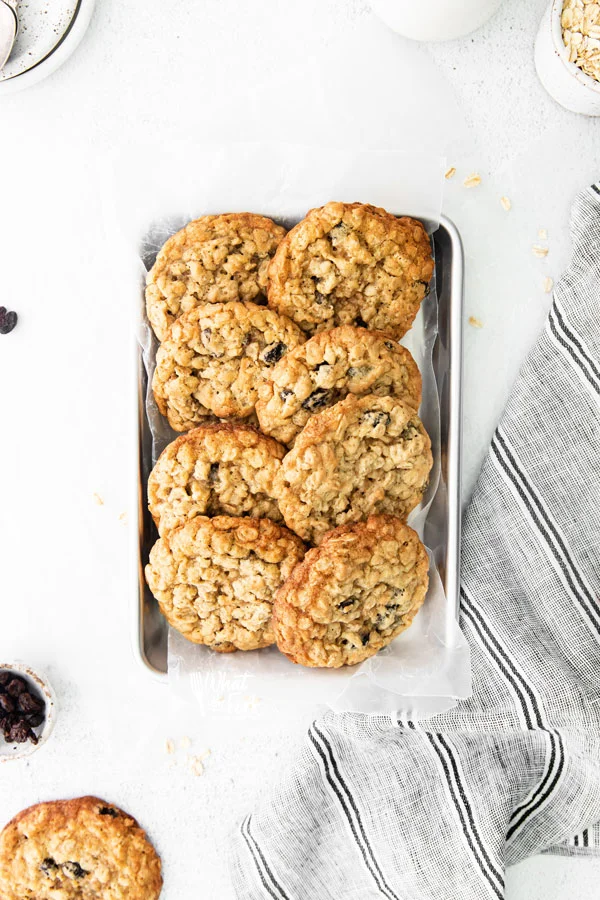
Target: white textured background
(317, 71)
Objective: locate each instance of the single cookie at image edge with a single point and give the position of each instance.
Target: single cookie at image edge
(215, 579)
(212, 259)
(328, 367)
(352, 264)
(352, 595)
(364, 455)
(214, 358)
(219, 469)
(77, 848)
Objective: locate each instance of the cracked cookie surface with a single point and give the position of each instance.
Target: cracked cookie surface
(213, 259)
(328, 367)
(352, 595)
(219, 469)
(77, 849)
(351, 264)
(214, 359)
(215, 579)
(362, 456)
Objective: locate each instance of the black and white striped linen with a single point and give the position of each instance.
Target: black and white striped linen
(437, 809)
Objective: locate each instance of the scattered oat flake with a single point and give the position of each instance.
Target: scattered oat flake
(170, 746)
(506, 204)
(472, 180)
(548, 284)
(196, 766)
(450, 173)
(185, 743)
(123, 518)
(98, 499)
(539, 251)
(543, 234)
(476, 323)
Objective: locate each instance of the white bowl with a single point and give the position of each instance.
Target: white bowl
(61, 51)
(563, 80)
(10, 752)
(434, 20)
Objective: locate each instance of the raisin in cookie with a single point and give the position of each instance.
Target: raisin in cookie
(77, 849)
(364, 455)
(214, 470)
(352, 595)
(332, 364)
(213, 259)
(215, 579)
(214, 358)
(351, 264)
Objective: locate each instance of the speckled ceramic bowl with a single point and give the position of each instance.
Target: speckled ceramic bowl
(20, 751)
(563, 80)
(49, 32)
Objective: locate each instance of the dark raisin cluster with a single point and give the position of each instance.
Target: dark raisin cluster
(21, 709)
(8, 320)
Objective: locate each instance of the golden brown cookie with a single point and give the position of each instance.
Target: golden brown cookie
(364, 455)
(332, 364)
(353, 594)
(214, 359)
(215, 579)
(76, 849)
(218, 469)
(351, 264)
(213, 259)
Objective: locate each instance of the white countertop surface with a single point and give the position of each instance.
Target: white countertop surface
(147, 72)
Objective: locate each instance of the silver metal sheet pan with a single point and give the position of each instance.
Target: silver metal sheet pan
(442, 527)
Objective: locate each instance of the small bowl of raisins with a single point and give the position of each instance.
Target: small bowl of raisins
(27, 710)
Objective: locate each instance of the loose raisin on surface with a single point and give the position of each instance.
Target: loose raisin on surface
(316, 400)
(274, 353)
(16, 687)
(8, 320)
(27, 703)
(7, 703)
(5, 677)
(74, 869)
(49, 867)
(108, 811)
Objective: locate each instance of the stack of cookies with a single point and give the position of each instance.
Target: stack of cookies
(279, 359)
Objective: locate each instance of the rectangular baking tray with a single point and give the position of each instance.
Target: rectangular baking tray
(442, 527)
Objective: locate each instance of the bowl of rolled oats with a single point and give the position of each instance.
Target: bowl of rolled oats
(567, 54)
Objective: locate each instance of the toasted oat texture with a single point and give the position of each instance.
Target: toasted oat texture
(214, 358)
(215, 579)
(351, 264)
(80, 849)
(332, 364)
(364, 455)
(214, 470)
(353, 594)
(212, 260)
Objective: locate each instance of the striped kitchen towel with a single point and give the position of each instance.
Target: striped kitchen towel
(437, 809)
